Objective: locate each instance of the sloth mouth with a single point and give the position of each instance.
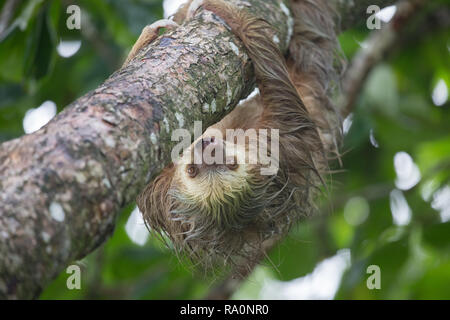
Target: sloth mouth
(223, 222)
(228, 208)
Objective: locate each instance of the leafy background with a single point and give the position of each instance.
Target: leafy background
(389, 207)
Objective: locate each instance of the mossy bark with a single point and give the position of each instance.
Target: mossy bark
(62, 187)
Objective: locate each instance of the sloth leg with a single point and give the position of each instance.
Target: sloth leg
(148, 34)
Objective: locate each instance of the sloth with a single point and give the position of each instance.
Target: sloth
(228, 208)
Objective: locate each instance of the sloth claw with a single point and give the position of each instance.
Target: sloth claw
(148, 35)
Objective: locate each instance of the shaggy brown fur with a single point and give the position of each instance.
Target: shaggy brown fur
(315, 64)
(218, 214)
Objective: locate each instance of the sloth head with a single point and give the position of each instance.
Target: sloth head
(214, 201)
(215, 205)
(217, 180)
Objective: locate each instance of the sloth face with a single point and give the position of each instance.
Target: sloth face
(213, 178)
(214, 202)
(211, 163)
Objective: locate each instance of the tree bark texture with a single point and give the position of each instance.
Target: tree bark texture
(62, 187)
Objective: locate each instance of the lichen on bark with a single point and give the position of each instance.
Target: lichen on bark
(63, 186)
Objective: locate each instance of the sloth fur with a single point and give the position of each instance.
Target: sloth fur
(226, 214)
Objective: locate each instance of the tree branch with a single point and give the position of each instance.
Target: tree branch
(7, 14)
(62, 187)
(374, 50)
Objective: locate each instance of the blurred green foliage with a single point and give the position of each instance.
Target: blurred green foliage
(394, 113)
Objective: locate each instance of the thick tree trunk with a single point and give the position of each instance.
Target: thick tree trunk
(62, 187)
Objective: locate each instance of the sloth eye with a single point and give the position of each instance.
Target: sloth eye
(233, 165)
(192, 171)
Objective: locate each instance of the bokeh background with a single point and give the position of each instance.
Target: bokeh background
(389, 205)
